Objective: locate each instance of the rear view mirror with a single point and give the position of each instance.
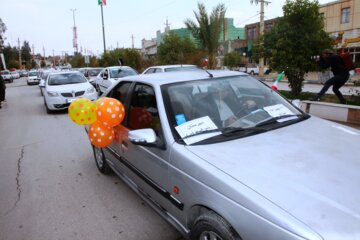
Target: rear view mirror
(144, 137)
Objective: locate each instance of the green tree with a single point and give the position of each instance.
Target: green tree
(175, 50)
(297, 37)
(207, 29)
(130, 57)
(26, 54)
(78, 61)
(232, 59)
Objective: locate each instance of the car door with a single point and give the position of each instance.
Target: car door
(104, 82)
(146, 166)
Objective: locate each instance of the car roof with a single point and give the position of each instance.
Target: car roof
(173, 65)
(172, 77)
(65, 72)
(114, 67)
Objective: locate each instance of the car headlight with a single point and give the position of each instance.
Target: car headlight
(90, 90)
(52, 94)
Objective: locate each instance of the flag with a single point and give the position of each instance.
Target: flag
(102, 2)
(274, 86)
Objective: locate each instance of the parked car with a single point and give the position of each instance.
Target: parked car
(170, 68)
(7, 76)
(91, 74)
(14, 74)
(43, 76)
(253, 70)
(61, 88)
(110, 75)
(33, 78)
(273, 172)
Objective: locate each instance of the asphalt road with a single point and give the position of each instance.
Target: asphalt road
(50, 187)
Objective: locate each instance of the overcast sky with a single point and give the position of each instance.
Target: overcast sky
(48, 23)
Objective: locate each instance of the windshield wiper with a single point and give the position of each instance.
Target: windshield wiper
(290, 117)
(231, 130)
(199, 133)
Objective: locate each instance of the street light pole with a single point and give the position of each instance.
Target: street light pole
(103, 26)
(75, 45)
(262, 28)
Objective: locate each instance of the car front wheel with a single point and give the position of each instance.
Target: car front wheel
(100, 160)
(211, 226)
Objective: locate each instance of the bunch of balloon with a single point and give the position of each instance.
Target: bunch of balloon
(110, 112)
(102, 117)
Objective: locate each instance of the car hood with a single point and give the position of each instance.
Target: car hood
(310, 169)
(69, 87)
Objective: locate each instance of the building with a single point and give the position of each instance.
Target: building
(342, 22)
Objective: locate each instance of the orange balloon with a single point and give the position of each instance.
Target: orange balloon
(100, 135)
(110, 111)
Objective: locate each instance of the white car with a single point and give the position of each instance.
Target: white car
(61, 88)
(33, 78)
(170, 68)
(7, 76)
(110, 75)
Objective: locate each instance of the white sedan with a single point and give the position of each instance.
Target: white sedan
(110, 75)
(61, 88)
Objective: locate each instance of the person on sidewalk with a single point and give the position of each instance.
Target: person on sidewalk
(2, 90)
(341, 75)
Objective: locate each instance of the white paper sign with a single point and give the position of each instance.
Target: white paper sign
(278, 110)
(197, 126)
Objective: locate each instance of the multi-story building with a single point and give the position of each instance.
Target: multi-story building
(342, 22)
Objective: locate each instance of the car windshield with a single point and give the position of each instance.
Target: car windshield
(184, 68)
(122, 72)
(31, 74)
(94, 72)
(228, 105)
(5, 73)
(66, 78)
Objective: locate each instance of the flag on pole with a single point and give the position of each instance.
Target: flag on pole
(274, 86)
(102, 2)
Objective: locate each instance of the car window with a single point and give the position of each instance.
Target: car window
(93, 72)
(33, 74)
(66, 78)
(150, 70)
(121, 72)
(143, 109)
(120, 91)
(242, 97)
(157, 70)
(176, 69)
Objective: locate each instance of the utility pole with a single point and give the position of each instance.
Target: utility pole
(262, 28)
(20, 63)
(103, 27)
(54, 59)
(75, 45)
(132, 40)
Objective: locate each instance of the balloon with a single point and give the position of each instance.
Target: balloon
(110, 111)
(100, 135)
(82, 111)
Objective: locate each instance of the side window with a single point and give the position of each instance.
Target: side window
(151, 70)
(143, 109)
(157, 70)
(120, 91)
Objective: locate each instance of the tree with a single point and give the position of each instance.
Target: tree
(129, 56)
(232, 59)
(208, 29)
(26, 54)
(175, 50)
(297, 37)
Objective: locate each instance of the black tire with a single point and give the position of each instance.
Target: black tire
(211, 226)
(100, 161)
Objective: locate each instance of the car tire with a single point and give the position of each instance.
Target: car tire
(211, 226)
(252, 73)
(100, 161)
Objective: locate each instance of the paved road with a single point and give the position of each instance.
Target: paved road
(50, 187)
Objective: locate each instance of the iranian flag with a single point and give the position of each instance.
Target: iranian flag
(102, 2)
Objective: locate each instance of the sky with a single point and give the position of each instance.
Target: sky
(48, 24)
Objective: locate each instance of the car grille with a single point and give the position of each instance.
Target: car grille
(73, 94)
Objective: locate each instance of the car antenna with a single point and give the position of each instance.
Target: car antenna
(210, 75)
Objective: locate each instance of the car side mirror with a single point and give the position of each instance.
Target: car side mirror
(105, 76)
(143, 137)
(296, 103)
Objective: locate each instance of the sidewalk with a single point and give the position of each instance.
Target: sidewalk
(313, 84)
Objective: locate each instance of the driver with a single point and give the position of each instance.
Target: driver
(221, 105)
